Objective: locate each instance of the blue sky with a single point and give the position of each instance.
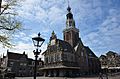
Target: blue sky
(97, 20)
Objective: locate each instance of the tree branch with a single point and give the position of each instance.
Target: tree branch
(5, 8)
(0, 5)
(10, 13)
(8, 23)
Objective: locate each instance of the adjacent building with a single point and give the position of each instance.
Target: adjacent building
(69, 57)
(110, 62)
(19, 64)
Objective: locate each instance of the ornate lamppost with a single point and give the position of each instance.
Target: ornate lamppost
(37, 41)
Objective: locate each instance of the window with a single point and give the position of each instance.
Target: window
(20, 69)
(51, 58)
(71, 58)
(68, 35)
(53, 42)
(40, 63)
(21, 64)
(33, 62)
(9, 69)
(55, 57)
(82, 53)
(65, 57)
(11, 63)
(58, 58)
(70, 23)
(46, 59)
(25, 64)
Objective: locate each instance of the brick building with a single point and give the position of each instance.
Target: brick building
(19, 64)
(69, 57)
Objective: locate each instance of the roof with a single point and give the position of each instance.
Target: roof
(30, 61)
(90, 52)
(102, 56)
(65, 45)
(60, 45)
(16, 56)
(111, 53)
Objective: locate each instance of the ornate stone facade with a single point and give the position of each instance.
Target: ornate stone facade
(69, 57)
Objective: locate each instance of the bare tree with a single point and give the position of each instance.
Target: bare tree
(0, 4)
(8, 21)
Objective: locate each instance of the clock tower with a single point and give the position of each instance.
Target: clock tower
(70, 33)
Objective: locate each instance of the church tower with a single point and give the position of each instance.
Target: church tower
(70, 33)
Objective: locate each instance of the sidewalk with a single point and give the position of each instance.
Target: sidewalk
(110, 77)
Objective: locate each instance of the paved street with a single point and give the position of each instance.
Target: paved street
(114, 77)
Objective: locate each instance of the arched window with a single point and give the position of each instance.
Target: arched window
(82, 54)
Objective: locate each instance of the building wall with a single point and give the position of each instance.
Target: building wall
(21, 67)
(69, 53)
(110, 62)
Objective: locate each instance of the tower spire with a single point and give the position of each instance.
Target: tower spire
(70, 23)
(68, 6)
(68, 2)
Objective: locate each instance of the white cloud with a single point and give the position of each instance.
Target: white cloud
(97, 20)
(21, 47)
(111, 25)
(107, 36)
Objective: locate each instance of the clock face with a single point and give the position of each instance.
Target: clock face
(53, 42)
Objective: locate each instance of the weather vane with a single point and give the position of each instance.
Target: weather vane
(68, 2)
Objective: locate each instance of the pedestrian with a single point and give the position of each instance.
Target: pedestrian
(100, 76)
(106, 76)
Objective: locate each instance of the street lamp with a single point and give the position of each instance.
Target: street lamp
(37, 41)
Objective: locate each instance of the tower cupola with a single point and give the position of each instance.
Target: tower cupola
(69, 15)
(70, 23)
(71, 33)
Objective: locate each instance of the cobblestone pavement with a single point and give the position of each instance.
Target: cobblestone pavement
(113, 77)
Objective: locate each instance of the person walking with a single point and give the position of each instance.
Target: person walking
(106, 76)
(100, 76)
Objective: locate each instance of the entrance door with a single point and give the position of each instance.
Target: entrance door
(57, 73)
(67, 73)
